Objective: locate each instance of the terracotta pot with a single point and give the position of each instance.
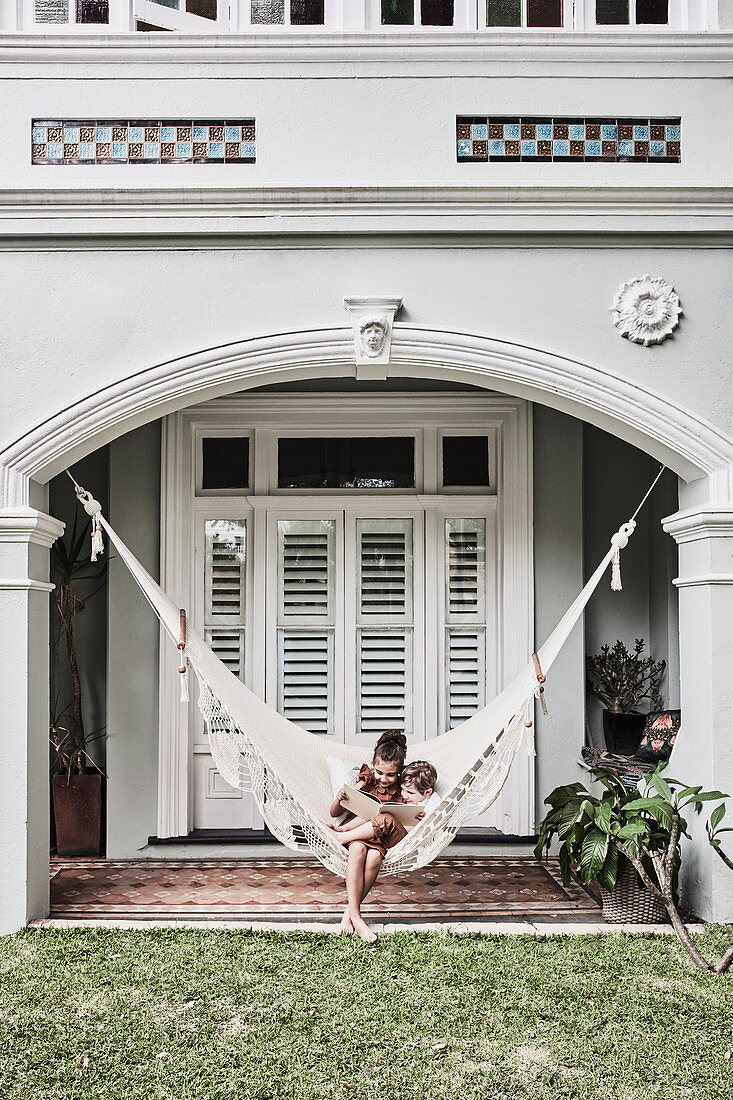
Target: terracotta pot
(623, 731)
(78, 814)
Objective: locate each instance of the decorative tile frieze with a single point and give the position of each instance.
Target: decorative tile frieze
(143, 141)
(501, 138)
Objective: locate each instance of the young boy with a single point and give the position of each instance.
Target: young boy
(417, 787)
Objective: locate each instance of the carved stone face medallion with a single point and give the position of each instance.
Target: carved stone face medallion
(372, 334)
(646, 310)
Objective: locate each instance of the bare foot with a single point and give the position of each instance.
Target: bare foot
(363, 930)
(340, 837)
(346, 928)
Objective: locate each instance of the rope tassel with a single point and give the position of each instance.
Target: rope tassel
(619, 542)
(183, 667)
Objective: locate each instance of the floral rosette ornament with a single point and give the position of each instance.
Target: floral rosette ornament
(646, 310)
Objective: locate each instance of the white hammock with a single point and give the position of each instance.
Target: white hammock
(285, 767)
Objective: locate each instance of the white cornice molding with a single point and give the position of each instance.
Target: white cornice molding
(404, 208)
(703, 580)
(711, 521)
(28, 525)
(604, 48)
(25, 585)
(689, 445)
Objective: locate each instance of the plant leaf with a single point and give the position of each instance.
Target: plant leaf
(661, 786)
(593, 853)
(609, 871)
(717, 815)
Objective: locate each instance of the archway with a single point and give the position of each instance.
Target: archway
(689, 445)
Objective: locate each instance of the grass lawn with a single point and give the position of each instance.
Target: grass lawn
(203, 1015)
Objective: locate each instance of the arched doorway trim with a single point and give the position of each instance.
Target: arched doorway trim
(689, 445)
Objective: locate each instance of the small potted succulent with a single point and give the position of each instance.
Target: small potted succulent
(622, 679)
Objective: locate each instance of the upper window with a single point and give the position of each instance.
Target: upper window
(355, 463)
(638, 13)
(293, 13)
(347, 16)
(524, 13)
(71, 11)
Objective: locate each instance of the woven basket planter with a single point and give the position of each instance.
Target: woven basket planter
(630, 902)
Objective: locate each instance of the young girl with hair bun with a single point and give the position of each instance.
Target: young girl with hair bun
(365, 858)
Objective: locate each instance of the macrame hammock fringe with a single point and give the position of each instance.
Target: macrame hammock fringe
(285, 768)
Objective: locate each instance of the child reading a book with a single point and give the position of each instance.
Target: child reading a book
(382, 781)
(375, 836)
(383, 831)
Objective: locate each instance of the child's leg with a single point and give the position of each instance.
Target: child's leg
(356, 886)
(372, 867)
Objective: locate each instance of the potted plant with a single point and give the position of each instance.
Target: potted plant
(77, 783)
(621, 679)
(628, 842)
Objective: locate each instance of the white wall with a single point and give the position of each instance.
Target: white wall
(107, 314)
(132, 707)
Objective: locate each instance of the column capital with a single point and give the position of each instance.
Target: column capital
(707, 521)
(28, 525)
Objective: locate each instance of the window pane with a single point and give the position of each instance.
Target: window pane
(465, 460)
(51, 11)
(168, 4)
(205, 8)
(226, 463)
(306, 13)
(398, 11)
(652, 11)
(504, 13)
(92, 11)
(268, 11)
(437, 13)
(612, 12)
(141, 25)
(346, 463)
(544, 13)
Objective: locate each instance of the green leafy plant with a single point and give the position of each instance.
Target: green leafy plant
(621, 678)
(77, 580)
(642, 827)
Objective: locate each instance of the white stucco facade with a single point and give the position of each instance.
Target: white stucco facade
(131, 292)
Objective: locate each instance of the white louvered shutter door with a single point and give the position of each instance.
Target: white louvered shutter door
(225, 590)
(306, 599)
(385, 602)
(465, 618)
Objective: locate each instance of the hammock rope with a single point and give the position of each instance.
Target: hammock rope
(286, 768)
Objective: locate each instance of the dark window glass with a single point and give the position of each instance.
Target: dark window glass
(268, 11)
(306, 13)
(92, 11)
(226, 463)
(544, 13)
(346, 463)
(398, 11)
(610, 13)
(205, 8)
(652, 11)
(504, 13)
(437, 13)
(465, 460)
(141, 25)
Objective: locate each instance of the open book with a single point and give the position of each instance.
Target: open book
(367, 806)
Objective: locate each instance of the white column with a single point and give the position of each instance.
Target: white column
(25, 538)
(704, 750)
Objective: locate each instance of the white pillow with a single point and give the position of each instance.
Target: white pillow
(341, 771)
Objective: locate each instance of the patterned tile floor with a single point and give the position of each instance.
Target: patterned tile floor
(478, 889)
